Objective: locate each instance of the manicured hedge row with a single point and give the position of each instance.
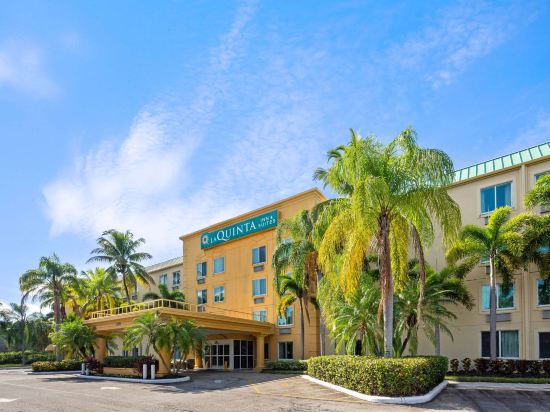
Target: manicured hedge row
(379, 376)
(30, 357)
(287, 365)
(49, 366)
(500, 367)
(123, 361)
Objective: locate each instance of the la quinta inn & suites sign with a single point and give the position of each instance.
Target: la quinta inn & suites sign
(237, 230)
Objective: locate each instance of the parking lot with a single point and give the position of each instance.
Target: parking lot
(230, 391)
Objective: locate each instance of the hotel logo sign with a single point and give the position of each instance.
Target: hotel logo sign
(244, 228)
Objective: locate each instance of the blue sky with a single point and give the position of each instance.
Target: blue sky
(163, 117)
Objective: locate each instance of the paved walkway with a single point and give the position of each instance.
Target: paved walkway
(501, 386)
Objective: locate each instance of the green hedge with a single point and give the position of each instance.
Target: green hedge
(298, 365)
(379, 376)
(30, 357)
(122, 361)
(49, 366)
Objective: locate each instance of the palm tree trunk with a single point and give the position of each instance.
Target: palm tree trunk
(322, 330)
(386, 283)
(126, 290)
(492, 308)
(437, 340)
(56, 320)
(302, 337)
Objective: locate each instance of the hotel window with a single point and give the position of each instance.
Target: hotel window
(201, 297)
(507, 344)
(176, 277)
(258, 255)
(163, 279)
(219, 265)
(201, 269)
(544, 345)
(285, 351)
(219, 294)
(260, 315)
(504, 300)
(496, 196)
(288, 319)
(259, 287)
(543, 292)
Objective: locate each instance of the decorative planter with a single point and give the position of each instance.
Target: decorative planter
(121, 371)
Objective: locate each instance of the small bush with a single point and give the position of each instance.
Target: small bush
(122, 361)
(379, 376)
(545, 367)
(287, 365)
(466, 365)
(50, 366)
(482, 365)
(30, 357)
(92, 364)
(454, 365)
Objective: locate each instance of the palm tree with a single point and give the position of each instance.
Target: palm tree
(39, 328)
(165, 294)
(75, 337)
(499, 243)
(120, 251)
(100, 288)
(389, 196)
(187, 337)
(16, 315)
(540, 194)
(296, 251)
(442, 289)
(50, 277)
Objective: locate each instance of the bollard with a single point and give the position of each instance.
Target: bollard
(144, 371)
(87, 371)
(83, 368)
(153, 367)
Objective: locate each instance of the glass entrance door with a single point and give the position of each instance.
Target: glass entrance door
(216, 356)
(244, 354)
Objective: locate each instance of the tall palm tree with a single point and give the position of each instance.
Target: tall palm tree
(51, 276)
(389, 197)
(75, 337)
(120, 251)
(499, 243)
(165, 294)
(296, 251)
(39, 327)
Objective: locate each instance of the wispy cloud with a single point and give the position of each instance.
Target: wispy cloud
(536, 133)
(22, 69)
(461, 35)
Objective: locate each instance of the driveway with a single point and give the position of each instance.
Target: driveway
(231, 391)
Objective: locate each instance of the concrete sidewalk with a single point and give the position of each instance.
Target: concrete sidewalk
(500, 386)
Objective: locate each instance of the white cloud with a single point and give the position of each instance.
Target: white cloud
(461, 35)
(22, 68)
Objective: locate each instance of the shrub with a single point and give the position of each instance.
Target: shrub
(494, 366)
(49, 366)
(545, 367)
(92, 364)
(146, 360)
(379, 376)
(482, 365)
(287, 365)
(122, 361)
(466, 365)
(454, 364)
(30, 357)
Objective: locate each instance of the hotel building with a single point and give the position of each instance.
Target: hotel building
(226, 274)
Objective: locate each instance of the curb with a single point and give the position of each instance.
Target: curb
(149, 381)
(401, 400)
(54, 373)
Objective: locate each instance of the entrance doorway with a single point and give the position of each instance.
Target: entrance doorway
(217, 356)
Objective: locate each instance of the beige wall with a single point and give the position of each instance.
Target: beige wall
(155, 274)
(239, 273)
(526, 316)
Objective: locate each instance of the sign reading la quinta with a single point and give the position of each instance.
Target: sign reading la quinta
(244, 228)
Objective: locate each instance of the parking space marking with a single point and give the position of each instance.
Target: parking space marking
(109, 388)
(5, 400)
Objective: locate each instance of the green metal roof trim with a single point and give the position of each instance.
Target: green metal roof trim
(502, 162)
(165, 264)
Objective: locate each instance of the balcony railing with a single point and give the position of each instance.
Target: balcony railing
(171, 304)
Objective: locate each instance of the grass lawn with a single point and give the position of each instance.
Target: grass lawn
(9, 365)
(496, 379)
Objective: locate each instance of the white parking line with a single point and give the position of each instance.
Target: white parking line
(110, 388)
(5, 400)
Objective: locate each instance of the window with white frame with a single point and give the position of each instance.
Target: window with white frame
(543, 292)
(260, 315)
(286, 351)
(507, 344)
(219, 294)
(219, 265)
(496, 196)
(176, 277)
(163, 279)
(544, 345)
(504, 300)
(201, 269)
(258, 255)
(288, 319)
(259, 287)
(201, 297)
